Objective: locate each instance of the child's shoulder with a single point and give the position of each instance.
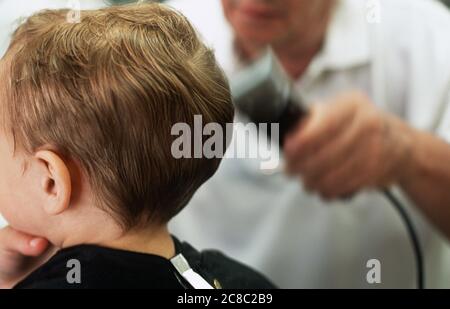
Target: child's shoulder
(101, 267)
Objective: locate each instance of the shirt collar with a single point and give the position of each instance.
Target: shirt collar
(347, 40)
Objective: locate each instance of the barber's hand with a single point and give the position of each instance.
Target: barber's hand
(20, 254)
(346, 145)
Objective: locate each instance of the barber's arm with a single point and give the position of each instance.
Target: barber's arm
(426, 178)
(349, 144)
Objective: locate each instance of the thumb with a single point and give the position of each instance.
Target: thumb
(305, 132)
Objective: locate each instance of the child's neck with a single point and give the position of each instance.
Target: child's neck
(93, 226)
(152, 241)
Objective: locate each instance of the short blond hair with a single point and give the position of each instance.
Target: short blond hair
(105, 93)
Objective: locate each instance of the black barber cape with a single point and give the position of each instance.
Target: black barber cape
(111, 268)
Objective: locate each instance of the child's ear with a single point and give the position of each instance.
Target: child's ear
(55, 182)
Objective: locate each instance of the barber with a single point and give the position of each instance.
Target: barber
(376, 76)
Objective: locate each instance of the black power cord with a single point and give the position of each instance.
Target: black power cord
(290, 116)
(288, 120)
(412, 235)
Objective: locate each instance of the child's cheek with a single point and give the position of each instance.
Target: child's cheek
(5, 195)
(6, 210)
(13, 197)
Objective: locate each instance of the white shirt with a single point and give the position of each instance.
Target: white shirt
(295, 238)
(12, 13)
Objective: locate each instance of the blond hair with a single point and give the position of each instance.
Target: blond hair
(105, 93)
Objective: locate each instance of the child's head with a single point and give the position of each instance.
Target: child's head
(87, 110)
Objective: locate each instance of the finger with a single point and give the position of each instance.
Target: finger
(334, 154)
(298, 140)
(322, 126)
(15, 241)
(346, 179)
